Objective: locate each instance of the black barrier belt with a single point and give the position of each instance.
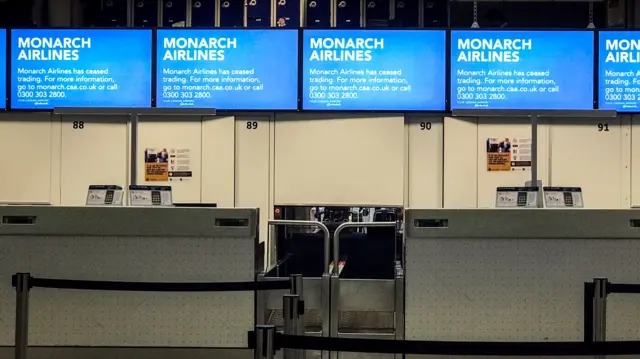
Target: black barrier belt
(623, 288)
(455, 348)
(156, 287)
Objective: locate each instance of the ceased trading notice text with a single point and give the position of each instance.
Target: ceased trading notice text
(326, 86)
(38, 85)
(183, 84)
(348, 80)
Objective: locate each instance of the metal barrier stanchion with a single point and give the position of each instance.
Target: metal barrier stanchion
(270, 344)
(265, 337)
(600, 309)
(297, 288)
(291, 314)
(22, 315)
(258, 352)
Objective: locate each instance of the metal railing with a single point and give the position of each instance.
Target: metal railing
(379, 285)
(292, 223)
(342, 227)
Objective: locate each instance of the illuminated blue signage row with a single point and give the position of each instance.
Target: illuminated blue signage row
(342, 70)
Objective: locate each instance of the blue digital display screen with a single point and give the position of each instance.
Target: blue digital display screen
(228, 69)
(522, 70)
(377, 70)
(619, 71)
(3, 68)
(80, 68)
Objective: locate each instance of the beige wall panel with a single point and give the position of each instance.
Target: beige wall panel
(460, 166)
(339, 159)
(626, 153)
(56, 160)
(584, 156)
(218, 160)
(173, 132)
(26, 142)
(252, 172)
(95, 152)
(425, 156)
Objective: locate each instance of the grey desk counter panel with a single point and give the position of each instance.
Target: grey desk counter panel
(517, 275)
(130, 244)
(523, 223)
(128, 221)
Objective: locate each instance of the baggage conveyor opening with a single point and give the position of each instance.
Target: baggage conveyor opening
(351, 288)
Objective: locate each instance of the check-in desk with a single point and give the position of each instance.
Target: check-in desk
(517, 275)
(131, 245)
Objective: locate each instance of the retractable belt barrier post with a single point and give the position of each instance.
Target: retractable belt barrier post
(297, 288)
(291, 314)
(265, 335)
(23, 282)
(600, 309)
(22, 315)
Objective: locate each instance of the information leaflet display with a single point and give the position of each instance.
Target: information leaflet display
(80, 68)
(522, 70)
(150, 195)
(228, 69)
(3, 68)
(619, 71)
(561, 197)
(517, 197)
(104, 195)
(384, 70)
